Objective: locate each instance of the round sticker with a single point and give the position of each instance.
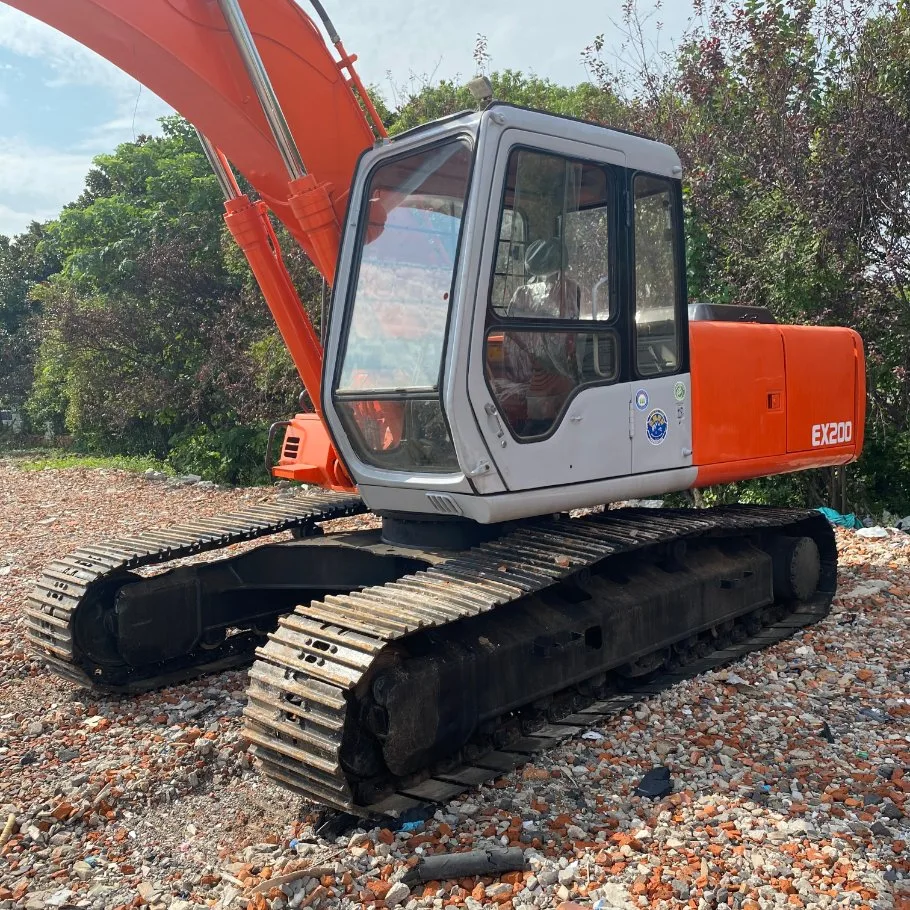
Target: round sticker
(641, 399)
(679, 391)
(657, 427)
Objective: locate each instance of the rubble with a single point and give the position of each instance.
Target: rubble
(791, 769)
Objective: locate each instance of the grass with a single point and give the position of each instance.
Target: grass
(39, 460)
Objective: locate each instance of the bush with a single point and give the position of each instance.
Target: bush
(233, 455)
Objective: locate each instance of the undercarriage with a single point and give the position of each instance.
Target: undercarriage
(387, 675)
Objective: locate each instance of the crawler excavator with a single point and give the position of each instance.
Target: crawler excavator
(509, 346)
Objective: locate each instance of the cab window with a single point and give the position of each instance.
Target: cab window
(657, 279)
(551, 316)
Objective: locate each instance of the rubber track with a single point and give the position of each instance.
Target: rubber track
(297, 696)
(66, 582)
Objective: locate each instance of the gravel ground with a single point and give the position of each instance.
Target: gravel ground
(791, 770)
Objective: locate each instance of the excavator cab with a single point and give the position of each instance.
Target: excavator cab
(508, 328)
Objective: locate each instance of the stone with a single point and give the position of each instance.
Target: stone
(568, 875)
(203, 746)
(655, 784)
(148, 892)
(547, 876)
(398, 894)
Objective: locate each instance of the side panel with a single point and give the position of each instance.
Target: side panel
(821, 387)
(738, 391)
(769, 399)
(590, 443)
(662, 424)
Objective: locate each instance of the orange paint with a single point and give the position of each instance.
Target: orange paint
(308, 456)
(769, 399)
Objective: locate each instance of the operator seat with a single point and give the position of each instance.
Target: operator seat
(540, 368)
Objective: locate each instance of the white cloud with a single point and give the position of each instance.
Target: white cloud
(38, 179)
(69, 63)
(36, 182)
(132, 119)
(14, 222)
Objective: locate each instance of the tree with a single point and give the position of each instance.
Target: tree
(153, 339)
(25, 260)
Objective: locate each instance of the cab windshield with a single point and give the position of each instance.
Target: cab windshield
(401, 298)
(387, 386)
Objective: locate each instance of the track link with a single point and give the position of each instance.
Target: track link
(69, 584)
(304, 680)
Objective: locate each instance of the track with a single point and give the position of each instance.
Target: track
(312, 710)
(410, 690)
(80, 581)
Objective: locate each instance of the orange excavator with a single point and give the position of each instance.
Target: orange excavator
(509, 346)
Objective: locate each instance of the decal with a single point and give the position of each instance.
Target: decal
(832, 434)
(657, 427)
(641, 399)
(680, 412)
(679, 391)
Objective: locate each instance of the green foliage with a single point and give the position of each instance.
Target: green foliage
(426, 101)
(56, 460)
(233, 456)
(148, 324)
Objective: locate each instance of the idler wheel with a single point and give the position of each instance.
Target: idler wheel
(797, 568)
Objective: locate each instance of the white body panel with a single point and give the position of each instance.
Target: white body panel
(655, 451)
(543, 501)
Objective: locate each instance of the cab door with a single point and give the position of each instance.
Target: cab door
(553, 397)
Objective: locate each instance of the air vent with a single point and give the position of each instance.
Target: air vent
(291, 448)
(444, 503)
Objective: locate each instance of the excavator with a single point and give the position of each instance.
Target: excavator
(509, 354)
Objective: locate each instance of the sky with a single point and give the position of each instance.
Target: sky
(61, 104)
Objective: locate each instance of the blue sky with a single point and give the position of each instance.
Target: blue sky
(60, 104)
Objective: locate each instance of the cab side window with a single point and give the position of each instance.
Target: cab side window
(657, 279)
(550, 325)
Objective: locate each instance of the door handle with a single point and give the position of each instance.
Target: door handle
(493, 414)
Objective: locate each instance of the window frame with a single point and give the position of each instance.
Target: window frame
(617, 264)
(495, 274)
(680, 306)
